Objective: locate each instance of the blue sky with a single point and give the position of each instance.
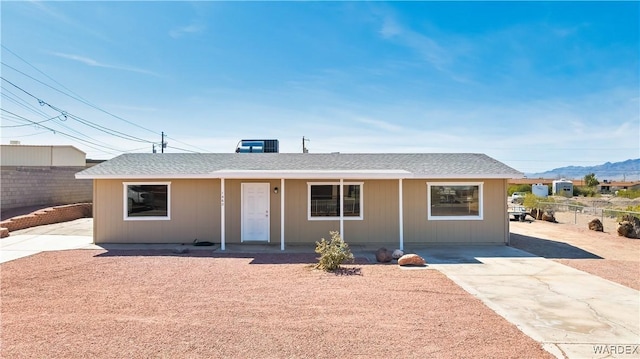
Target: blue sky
(536, 85)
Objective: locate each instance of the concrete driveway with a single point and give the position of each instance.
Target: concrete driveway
(76, 234)
(572, 313)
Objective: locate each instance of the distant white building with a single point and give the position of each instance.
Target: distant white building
(540, 190)
(29, 155)
(42, 176)
(562, 187)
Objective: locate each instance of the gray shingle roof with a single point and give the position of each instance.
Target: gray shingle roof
(299, 165)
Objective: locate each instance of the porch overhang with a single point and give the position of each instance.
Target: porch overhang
(311, 174)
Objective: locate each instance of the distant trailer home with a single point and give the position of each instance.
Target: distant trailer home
(286, 198)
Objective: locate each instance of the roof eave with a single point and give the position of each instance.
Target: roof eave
(377, 174)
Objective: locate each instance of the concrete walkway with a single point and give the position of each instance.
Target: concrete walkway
(572, 313)
(76, 234)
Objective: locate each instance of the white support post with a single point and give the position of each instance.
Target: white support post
(400, 214)
(222, 230)
(282, 214)
(341, 208)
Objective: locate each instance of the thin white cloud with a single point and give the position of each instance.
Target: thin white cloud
(427, 47)
(378, 124)
(94, 63)
(390, 28)
(184, 30)
(52, 11)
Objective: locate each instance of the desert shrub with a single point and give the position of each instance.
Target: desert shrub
(584, 191)
(533, 201)
(634, 209)
(333, 252)
(518, 188)
(628, 193)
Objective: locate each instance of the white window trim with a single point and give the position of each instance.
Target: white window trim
(125, 199)
(336, 218)
(480, 215)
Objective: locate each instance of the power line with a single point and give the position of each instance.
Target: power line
(63, 133)
(78, 118)
(76, 96)
(30, 124)
(26, 105)
(182, 149)
(196, 147)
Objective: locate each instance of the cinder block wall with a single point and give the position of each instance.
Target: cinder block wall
(33, 186)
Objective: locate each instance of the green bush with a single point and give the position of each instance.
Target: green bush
(333, 252)
(584, 191)
(533, 201)
(628, 193)
(518, 188)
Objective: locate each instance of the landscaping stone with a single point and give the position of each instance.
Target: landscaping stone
(549, 216)
(383, 255)
(411, 260)
(4, 232)
(629, 227)
(397, 254)
(596, 225)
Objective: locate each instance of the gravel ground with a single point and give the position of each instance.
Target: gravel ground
(101, 304)
(606, 255)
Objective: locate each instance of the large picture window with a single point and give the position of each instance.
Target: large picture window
(147, 201)
(454, 201)
(324, 201)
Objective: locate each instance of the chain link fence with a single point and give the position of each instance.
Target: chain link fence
(582, 215)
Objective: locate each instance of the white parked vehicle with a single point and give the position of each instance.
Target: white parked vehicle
(517, 197)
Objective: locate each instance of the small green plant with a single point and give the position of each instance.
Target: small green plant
(584, 191)
(333, 252)
(628, 193)
(518, 188)
(533, 201)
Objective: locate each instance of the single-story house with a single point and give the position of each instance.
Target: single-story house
(297, 198)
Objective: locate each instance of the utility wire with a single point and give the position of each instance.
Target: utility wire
(182, 149)
(62, 133)
(76, 96)
(30, 124)
(26, 105)
(78, 118)
(196, 147)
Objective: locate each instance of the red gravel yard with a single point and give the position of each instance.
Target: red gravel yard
(155, 304)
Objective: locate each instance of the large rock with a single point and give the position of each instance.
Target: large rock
(383, 255)
(629, 227)
(549, 216)
(596, 225)
(411, 260)
(397, 254)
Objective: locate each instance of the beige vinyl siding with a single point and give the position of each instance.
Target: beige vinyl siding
(195, 214)
(380, 214)
(417, 229)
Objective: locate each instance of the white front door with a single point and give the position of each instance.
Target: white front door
(255, 212)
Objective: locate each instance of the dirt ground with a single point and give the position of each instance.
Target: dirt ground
(604, 254)
(102, 304)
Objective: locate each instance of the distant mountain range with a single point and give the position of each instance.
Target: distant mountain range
(628, 170)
